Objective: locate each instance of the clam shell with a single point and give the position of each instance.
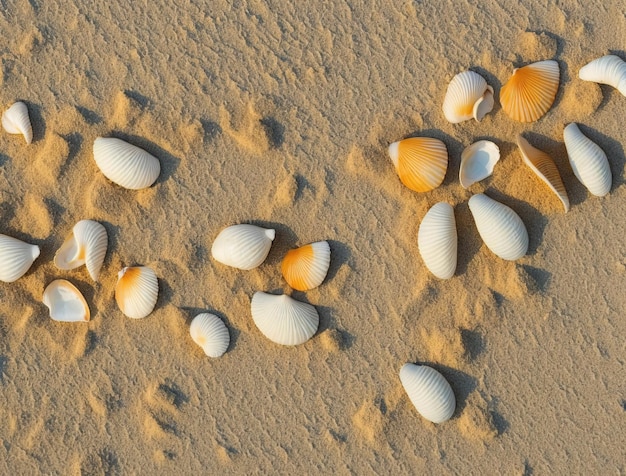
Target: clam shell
(306, 267)
(282, 319)
(136, 291)
(65, 302)
(501, 229)
(209, 332)
(421, 162)
(437, 240)
(429, 392)
(125, 164)
(609, 69)
(87, 244)
(15, 120)
(243, 246)
(16, 257)
(468, 96)
(478, 161)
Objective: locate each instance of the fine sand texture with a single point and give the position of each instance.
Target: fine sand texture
(279, 114)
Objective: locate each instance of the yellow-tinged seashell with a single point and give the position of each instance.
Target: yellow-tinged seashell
(609, 69)
(16, 257)
(87, 244)
(209, 332)
(125, 164)
(306, 267)
(468, 96)
(477, 162)
(421, 162)
(16, 120)
(66, 303)
(429, 392)
(136, 291)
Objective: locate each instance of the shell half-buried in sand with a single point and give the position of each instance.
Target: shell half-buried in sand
(609, 69)
(87, 244)
(209, 332)
(16, 120)
(125, 164)
(306, 267)
(468, 96)
(477, 162)
(65, 302)
(437, 240)
(136, 291)
(429, 392)
(421, 162)
(16, 257)
(243, 246)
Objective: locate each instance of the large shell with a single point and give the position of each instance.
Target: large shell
(468, 96)
(421, 162)
(501, 229)
(243, 246)
(588, 161)
(609, 69)
(477, 162)
(437, 240)
(65, 302)
(125, 164)
(87, 244)
(429, 391)
(306, 267)
(16, 257)
(15, 120)
(136, 291)
(282, 319)
(209, 332)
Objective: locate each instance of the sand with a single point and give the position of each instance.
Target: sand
(280, 115)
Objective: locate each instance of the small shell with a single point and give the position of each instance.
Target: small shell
(588, 161)
(136, 291)
(15, 120)
(210, 333)
(468, 96)
(501, 229)
(125, 164)
(429, 392)
(243, 246)
(16, 257)
(421, 162)
(282, 319)
(609, 69)
(65, 302)
(306, 267)
(87, 244)
(478, 161)
(437, 240)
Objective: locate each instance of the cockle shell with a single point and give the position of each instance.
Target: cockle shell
(477, 162)
(209, 332)
(243, 246)
(16, 257)
(421, 162)
(125, 164)
(609, 69)
(429, 392)
(15, 120)
(437, 240)
(65, 302)
(468, 96)
(136, 291)
(306, 267)
(87, 244)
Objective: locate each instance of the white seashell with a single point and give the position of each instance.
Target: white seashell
(588, 161)
(306, 267)
(15, 120)
(282, 319)
(501, 229)
(429, 392)
(210, 333)
(125, 164)
(16, 257)
(468, 96)
(136, 291)
(243, 246)
(609, 69)
(87, 244)
(65, 302)
(437, 240)
(478, 161)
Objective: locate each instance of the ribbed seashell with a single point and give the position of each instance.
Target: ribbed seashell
(437, 240)
(66, 303)
(531, 90)
(588, 161)
(477, 162)
(16, 257)
(306, 267)
(125, 164)
(282, 319)
(209, 332)
(87, 244)
(243, 246)
(15, 120)
(609, 69)
(421, 162)
(545, 168)
(136, 291)
(501, 229)
(468, 96)
(429, 392)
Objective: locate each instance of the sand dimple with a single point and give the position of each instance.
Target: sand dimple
(369, 421)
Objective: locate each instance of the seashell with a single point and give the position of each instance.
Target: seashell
(65, 302)
(609, 69)
(429, 392)
(243, 246)
(478, 161)
(421, 162)
(125, 164)
(468, 96)
(437, 240)
(501, 229)
(545, 168)
(531, 90)
(282, 319)
(16, 257)
(87, 244)
(588, 161)
(15, 120)
(306, 267)
(136, 291)
(210, 333)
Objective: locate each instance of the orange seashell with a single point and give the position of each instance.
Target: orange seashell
(421, 162)
(306, 267)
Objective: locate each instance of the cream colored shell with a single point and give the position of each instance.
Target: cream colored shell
(210, 333)
(87, 244)
(126, 165)
(609, 69)
(16, 120)
(429, 391)
(468, 96)
(65, 302)
(437, 240)
(477, 162)
(243, 246)
(16, 258)
(136, 291)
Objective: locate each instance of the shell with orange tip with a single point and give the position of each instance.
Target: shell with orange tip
(209, 332)
(87, 244)
(421, 162)
(66, 303)
(16, 120)
(306, 267)
(136, 291)
(468, 96)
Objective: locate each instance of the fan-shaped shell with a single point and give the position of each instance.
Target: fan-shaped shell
(468, 96)
(87, 244)
(421, 162)
(136, 291)
(501, 229)
(243, 246)
(437, 240)
(531, 90)
(16, 120)
(306, 267)
(125, 164)
(16, 257)
(478, 161)
(609, 69)
(209, 332)
(429, 392)
(282, 319)
(66, 303)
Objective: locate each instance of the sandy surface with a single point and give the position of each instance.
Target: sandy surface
(281, 116)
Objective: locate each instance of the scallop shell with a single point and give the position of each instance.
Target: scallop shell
(15, 120)
(588, 161)
(609, 69)
(531, 90)
(478, 161)
(468, 96)
(437, 240)
(421, 162)
(429, 392)
(282, 319)
(65, 302)
(501, 229)
(306, 267)
(125, 164)
(16, 257)
(210, 333)
(87, 244)
(136, 291)
(243, 246)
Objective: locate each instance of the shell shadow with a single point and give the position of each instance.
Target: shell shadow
(285, 240)
(454, 147)
(232, 330)
(166, 293)
(469, 242)
(211, 129)
(462, 384)
(91, 117)
(274, 130)
(613, 150)
(113, 235)
(74, 143)
(339, 255)
(36, 120)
